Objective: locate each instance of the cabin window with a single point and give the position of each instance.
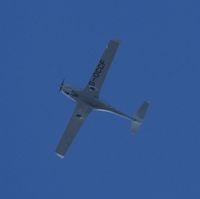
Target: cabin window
(92, 88)
(79, 115)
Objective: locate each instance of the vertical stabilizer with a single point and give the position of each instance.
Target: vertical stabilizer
(139, 116)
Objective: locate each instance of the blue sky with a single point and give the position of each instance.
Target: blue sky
(41, 42)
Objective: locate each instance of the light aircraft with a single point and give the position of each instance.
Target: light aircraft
(88, 99)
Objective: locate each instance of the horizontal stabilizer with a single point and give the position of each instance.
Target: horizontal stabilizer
(139, 117)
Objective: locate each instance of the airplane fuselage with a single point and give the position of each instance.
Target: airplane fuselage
(91, 101)
(81, 96)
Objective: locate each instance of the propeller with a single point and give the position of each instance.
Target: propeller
(61, 85)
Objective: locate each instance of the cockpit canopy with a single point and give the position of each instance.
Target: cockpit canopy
(66, 90)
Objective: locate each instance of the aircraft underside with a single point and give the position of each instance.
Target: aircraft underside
(88, 100)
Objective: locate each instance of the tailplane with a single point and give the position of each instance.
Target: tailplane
(139, 117)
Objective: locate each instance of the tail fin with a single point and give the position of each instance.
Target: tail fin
(139, 117)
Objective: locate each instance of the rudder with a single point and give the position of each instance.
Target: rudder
(139, 116)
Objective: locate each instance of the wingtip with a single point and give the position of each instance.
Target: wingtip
(60, 156)
(116, 40)
(147, 101)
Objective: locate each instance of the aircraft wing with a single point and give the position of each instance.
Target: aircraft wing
(78, 117)
(95, 83)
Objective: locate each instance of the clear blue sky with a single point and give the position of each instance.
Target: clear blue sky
(41, 42)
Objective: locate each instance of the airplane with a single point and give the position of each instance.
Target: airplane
(88, 99)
